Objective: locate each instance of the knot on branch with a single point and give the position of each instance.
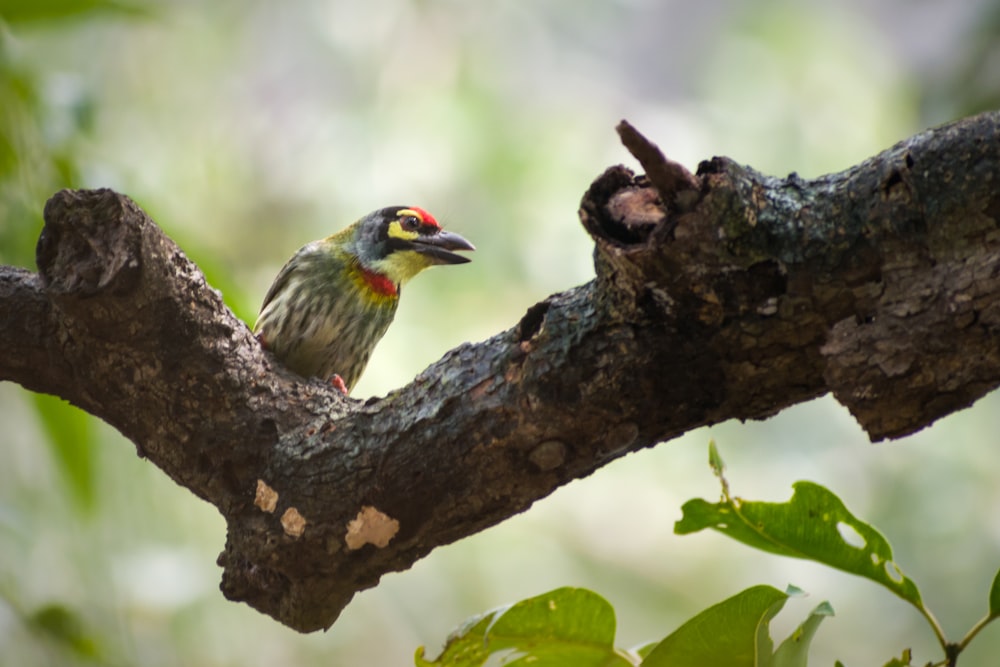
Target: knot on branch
(90, 243)
(625, 211)
(620, 210)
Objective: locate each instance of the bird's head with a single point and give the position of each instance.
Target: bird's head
(399, 242)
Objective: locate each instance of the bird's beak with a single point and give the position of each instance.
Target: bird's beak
(438, 247)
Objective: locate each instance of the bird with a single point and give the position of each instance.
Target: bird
(334, 299)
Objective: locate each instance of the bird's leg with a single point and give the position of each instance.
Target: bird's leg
(338, 383)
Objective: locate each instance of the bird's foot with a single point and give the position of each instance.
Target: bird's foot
(338, 383)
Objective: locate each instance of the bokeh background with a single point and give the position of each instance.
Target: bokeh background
(246, 128)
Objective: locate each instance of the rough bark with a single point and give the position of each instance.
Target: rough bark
(725, 294)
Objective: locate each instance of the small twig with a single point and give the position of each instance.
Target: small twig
(980, 624)
(671, 179)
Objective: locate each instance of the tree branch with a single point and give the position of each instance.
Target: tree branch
(726, 294)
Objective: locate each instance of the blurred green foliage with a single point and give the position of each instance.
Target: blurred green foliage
(247, 129)
(69, 432)
(970, 85)
(33, 164)
(17, 12)
(65, 628)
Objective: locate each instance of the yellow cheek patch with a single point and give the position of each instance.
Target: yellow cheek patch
(402, 265)
(396, 231)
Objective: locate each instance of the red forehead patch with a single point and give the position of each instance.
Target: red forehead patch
(425, 217)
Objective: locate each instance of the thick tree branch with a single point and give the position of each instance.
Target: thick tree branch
(726, 294)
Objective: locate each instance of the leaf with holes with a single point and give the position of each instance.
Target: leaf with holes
(814, 525)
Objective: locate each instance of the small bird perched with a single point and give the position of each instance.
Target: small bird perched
(334, 299)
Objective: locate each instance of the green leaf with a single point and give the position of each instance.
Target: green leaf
(734, 633)
(71, 440)
(794, 651)
(813, 525)
(568, 626)
(995, 597)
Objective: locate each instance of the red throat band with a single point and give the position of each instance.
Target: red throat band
(379, 283)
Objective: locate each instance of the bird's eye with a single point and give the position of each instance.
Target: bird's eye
(411, 223)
